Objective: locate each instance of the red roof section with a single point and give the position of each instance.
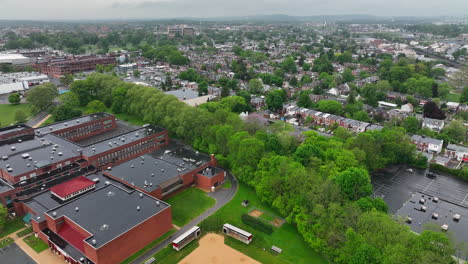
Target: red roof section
(72, 236)
(72, 186)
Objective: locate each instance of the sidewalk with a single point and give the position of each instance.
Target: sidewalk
(45, 257)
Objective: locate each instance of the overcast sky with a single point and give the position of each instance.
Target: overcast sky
(155, 9)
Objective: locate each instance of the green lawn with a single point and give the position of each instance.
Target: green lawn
(49, 121)
(189, 204)
(24, 232)
(12, 226)
(6, 241)
(227, 184)
(295, 249)
(168, 255)
(7, 113)
(35, 243)
(148, 247)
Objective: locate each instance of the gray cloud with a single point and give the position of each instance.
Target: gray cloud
(154, 9)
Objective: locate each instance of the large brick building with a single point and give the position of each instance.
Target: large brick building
(65, 65)
(98, 202)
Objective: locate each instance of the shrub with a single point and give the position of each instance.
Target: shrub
(463, 174)
(257, 224)
(25, 232)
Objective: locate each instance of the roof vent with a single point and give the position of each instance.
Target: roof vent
(157, 203)
(138, 208)
(142, 157)
(60, 153)
(30, 158)
(142, 162)
(52, 158)
(93, 242)
(4, 157)
(162, 170)
(13, 148)
(152, 174)
(104, 227)
(151, 184)
(109, 168)
(109, 194)
(9, 169)
(28, 165)
(66, 124)
(54, 213)
(141, 195)
(132, 166)
(107, 182)
(19, 140)
(77, 209)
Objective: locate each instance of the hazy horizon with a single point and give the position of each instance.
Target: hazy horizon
(163, 9)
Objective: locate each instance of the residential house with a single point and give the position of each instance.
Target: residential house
(457, 151)
(427, 144)
(433, 124)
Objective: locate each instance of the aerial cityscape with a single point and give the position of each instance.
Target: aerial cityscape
(270, 132)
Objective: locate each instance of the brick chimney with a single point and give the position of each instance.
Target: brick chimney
(213, 161)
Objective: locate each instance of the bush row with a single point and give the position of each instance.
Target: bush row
(462, 174)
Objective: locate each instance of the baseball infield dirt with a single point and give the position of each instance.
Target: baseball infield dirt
(212, 250)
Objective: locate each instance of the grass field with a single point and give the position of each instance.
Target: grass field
(148, 247)
(189, 204)
(286, 237)
(168, 255)
(12, 226)
(7, 113)
(6, 241)
(227, 184)
(452, 97)
(35, 243)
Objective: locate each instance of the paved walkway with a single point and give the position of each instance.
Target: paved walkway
(222, 197)
(45, 257)
(41, 121)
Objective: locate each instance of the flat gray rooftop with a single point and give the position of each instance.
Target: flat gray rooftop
(39, 153)
(120, 140)
(147, 173)
(12, 254)
(70, 123)
(184, 94)
(109, 212)
(445, 211)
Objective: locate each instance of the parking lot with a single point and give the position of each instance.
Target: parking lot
(396, 185)
(12, 254)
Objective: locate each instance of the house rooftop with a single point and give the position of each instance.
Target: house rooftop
(109, 212)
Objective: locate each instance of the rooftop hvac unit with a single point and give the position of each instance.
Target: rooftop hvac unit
(25, 155)
(422, 201)
(13, 148)
(138, 208)
(423, 208)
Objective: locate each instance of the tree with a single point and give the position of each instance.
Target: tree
(306, 67)
(70, 98)
(460, 78)
(411, 124)
(304, 100)
(294, 82)
(20, 116)
(255, 86)
(361, 116)
(464, 95)
(330, 106)
(456, 130)
(275, 99)
(66, 79)
(95, 106)
(289, 65)
(354, 183)
(42, 95)
(348, 75)
(136, 73)
(65, 112)
(3, 217)
(431, 110)
(14, 98)
(202, 88)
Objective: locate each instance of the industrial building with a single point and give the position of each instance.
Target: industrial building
(14, 59)
(20, 81)
(98, 202)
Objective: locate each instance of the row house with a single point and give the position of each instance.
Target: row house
(430, 145)
(457, 151)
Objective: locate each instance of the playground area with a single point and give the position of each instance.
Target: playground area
(212, 250)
